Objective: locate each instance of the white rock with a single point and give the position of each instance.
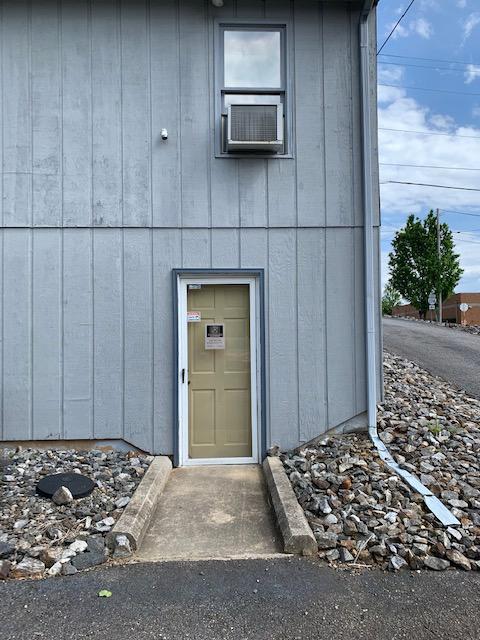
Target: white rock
(55, 569)
(78, 546)
(62, 496)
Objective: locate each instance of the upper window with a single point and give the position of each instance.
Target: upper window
(252, 58)
(251, 70)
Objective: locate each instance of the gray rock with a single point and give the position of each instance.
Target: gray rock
(458, 559)
(6, 550)
(345, 555)
(326, 540)
(122, 547)
(397, 562)
(62, 496)
(437, 564)
(28, 568)
(5, 566)
(88, 559)
(68, 569)
(122, 502)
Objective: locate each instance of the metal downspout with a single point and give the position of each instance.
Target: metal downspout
(440, 511)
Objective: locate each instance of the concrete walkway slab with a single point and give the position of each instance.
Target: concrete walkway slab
(212, 512)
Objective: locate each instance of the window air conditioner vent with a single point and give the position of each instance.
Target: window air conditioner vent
(256, 127)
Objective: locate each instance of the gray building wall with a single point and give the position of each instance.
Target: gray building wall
(97, 210)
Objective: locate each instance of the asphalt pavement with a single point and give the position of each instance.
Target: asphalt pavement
(449, 353)
(291, 598)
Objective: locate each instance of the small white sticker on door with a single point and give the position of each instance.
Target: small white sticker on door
(194, 316)
(214, 336)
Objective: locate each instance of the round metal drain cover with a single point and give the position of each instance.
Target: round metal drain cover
(79, 486)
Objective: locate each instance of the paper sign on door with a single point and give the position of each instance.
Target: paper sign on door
(214, 336)
(194, 316)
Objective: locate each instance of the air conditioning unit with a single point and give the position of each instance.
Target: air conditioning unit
(255, 127)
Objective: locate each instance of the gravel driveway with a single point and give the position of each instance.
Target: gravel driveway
(452, 355)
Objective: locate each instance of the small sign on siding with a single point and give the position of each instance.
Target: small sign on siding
(194, 316)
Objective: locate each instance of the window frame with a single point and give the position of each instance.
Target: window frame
(285, 91)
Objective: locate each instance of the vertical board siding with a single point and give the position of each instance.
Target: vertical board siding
(108, 333)
(338, 119)
(196, 103)
(17, 335)
(136, 127)
(312, 357)
(225, 248)
(340, 325)
(166, 256)
(77, 334)
(138, 332)
(282, 302)
(47, 334)
(106, 114)
(87, 315)
(309, 114)
(165, 101)
(77, 112)
(17, 115)
(46, 118)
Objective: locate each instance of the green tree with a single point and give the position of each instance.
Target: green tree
(415, 267)
(390, 298)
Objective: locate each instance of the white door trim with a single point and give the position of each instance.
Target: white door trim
(182, 284)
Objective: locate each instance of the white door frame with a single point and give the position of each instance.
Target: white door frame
(182, 284)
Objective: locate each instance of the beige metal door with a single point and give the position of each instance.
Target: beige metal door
(219, 394)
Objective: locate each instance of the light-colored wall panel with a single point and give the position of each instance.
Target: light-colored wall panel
(108, 332)
(106, 114)
(17, 335)
(165, 100)
(340, 294)
(138, 332)
(136, 123)
(337, 114)
(196, 248)
(196, 103)
(46, 117)
(77, 333)
(47, 334)
(17, 128)
(311, 322)
(309, 113)
(166, 256)
(76, 111)
(225, 248)
(283, 330)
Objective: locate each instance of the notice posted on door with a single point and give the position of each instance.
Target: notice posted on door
(215, 336)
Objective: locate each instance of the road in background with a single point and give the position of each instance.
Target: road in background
(449, 353)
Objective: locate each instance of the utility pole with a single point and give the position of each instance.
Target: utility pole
(439, 253)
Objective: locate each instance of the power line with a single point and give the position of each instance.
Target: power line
(395, 26)
(423, 66)
(429, 133)
(422, 184)
(461, 213)
(392, 55)
(430, 89)
(427, 166)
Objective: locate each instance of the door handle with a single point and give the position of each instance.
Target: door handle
(183, 376)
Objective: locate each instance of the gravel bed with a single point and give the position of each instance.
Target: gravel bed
(39, 538)
(362, 513)
(474, 329)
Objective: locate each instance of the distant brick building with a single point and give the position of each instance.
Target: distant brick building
(450, 309)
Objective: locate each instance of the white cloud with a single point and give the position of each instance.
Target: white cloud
(472, 72)
(387, 74)
(469, 24)
(397, 110)
(421, 27)
(461, 4)
(476, 111)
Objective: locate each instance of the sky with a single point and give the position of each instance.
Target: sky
(436, 46)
